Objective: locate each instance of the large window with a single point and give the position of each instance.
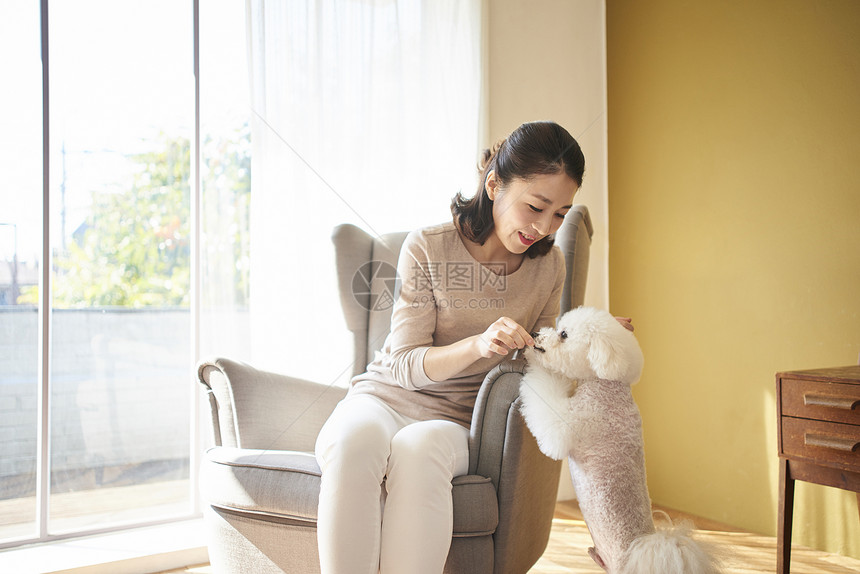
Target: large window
(103, 345)
(121, 123)
(125, 185)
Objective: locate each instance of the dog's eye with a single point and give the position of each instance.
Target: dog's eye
(563, 334)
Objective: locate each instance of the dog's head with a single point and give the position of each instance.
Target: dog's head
(588, 343)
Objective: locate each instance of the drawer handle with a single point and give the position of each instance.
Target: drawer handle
(834, 442)
(844, 403)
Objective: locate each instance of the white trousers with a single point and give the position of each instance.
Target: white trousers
(365, 447)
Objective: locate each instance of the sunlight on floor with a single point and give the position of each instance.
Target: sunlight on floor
(742, 552)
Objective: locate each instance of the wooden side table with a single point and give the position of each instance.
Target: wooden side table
(819, 438)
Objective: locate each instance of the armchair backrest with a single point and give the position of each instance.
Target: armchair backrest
(574, 239)
(366, 270)
(366, 267)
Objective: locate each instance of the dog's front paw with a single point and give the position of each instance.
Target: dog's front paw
(555, 447)
(546, 410)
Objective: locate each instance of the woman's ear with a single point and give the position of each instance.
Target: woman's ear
(491, 185)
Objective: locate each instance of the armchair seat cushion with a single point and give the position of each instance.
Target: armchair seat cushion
(277, 483)
(286, 485)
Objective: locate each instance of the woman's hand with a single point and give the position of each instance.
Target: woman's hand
(626, 322)
(442, 363)
(503, 336)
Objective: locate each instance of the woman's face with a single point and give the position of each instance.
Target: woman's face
(526, 211)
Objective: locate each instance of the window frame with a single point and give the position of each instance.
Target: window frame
(43, 443)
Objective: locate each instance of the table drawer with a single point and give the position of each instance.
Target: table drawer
(823, 401)
(829, 444)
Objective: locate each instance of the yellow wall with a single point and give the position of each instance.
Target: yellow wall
(734, 213)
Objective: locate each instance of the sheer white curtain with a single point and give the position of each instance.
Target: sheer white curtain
(364, 111)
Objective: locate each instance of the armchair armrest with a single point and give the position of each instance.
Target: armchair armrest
(258, 409)
(502, 448)
(493, 408)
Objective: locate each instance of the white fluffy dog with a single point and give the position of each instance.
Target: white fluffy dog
(577, 402)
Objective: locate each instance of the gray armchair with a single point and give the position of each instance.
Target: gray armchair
(261, 480)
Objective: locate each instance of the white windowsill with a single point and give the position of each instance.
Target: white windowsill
(142, 550)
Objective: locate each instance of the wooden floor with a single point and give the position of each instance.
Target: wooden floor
(744, 553)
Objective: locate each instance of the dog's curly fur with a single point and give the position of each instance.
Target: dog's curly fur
(577, 402)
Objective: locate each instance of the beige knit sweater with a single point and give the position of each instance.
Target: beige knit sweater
(446, 295)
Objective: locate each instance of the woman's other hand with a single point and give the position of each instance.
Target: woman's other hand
(625, 322)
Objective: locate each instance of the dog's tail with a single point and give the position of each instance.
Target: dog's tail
(670, 550)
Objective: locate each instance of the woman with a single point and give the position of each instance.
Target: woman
(473, 290)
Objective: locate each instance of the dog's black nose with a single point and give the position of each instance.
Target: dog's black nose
(533, 334)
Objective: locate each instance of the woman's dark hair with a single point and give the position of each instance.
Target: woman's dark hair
(534, 148)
